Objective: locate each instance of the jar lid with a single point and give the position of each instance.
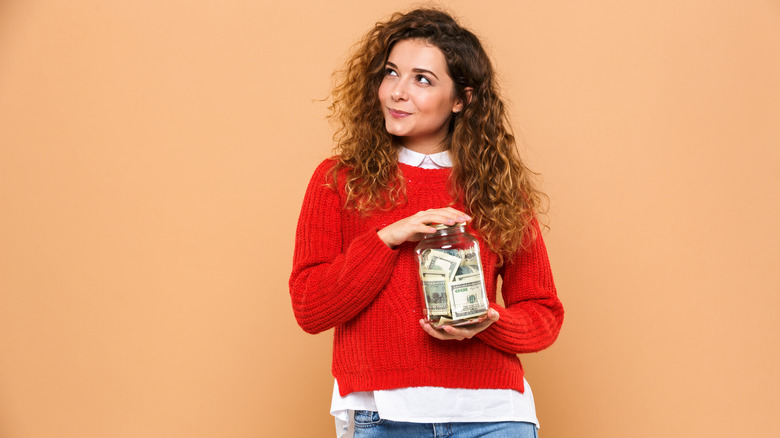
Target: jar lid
(445, 226)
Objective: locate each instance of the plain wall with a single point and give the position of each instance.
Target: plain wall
(153, 157)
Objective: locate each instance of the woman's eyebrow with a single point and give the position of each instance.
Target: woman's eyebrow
(416, 70)
(422, 70)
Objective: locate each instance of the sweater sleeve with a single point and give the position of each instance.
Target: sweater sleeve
(533, 315)
(331, 284)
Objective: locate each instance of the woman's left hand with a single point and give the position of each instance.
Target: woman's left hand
(460, 333)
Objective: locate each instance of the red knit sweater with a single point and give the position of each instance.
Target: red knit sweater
(345, 277)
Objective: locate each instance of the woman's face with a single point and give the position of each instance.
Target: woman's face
(418, 95)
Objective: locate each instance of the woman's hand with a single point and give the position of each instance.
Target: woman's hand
(460, 333)
(413, 227)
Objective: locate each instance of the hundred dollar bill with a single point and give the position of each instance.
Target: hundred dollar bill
(436, 285)
(453, 252)
(469, 257)
(435, 271)
(467, 297)
(442, 322)
(442, 261)
(462, 277)
(465, 269)
(425, 255)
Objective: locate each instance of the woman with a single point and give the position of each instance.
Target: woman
(423, 140)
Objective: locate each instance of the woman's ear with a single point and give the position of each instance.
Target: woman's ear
(458, 107)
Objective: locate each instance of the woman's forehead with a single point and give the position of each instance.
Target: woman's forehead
(417, 50)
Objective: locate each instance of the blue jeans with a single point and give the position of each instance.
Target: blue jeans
(369, 425)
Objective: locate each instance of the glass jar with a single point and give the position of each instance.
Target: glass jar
(451, 278)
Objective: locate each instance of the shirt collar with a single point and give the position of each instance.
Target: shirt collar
(439, 160)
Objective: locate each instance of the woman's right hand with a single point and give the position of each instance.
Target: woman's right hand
(413, 227)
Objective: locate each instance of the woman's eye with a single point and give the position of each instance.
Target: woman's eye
(423, 80)
(390, 72)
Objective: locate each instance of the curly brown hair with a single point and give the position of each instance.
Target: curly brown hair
(488, 175)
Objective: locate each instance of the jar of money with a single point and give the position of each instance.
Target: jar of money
(451, 279)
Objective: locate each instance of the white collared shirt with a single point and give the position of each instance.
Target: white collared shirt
(423, 404)
(439, 160)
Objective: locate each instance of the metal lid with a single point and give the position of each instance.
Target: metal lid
(445, 226)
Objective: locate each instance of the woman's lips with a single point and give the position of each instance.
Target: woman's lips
(397, 113)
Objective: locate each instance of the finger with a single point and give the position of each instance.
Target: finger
(459, 333)
(447, 215)
(423, 228)
(449, 210)
(430, 330)
(463, 217)
(470, 331)
(440, 218)
(438, 334)
(409, 230)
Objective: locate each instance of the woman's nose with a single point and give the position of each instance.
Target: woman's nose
(399, 91)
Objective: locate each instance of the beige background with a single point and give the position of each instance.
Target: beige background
(153, 157)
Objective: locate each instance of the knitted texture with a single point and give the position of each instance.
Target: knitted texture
(345, 277)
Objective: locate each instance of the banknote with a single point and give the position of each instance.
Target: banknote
(470, 257)
(467, 297)
(441, 322)
(442, 261)
(465, 269)
(436, 286)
